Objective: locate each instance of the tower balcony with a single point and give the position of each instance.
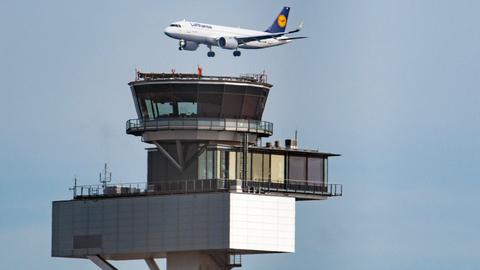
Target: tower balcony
(291, 188)
(138, 126)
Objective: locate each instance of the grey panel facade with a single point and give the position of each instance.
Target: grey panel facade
(138, 227)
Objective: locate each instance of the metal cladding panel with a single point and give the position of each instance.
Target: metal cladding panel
(137, 227)
(262, 223)
(62, 225)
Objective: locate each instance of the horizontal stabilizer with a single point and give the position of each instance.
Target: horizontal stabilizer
(290, 38)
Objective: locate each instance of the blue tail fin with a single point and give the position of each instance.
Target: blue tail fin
(280, 22)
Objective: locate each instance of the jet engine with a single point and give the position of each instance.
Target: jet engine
(228, 43)
(187, 45)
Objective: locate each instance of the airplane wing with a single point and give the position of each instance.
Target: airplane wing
(242, 40)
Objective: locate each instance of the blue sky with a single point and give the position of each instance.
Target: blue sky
(391, 85)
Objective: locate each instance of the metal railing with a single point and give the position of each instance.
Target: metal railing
(210, 185)
(219, 124)
(260, 78)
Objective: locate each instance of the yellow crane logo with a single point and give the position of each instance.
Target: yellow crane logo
(282, 21)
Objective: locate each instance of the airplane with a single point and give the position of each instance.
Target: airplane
(192, 34)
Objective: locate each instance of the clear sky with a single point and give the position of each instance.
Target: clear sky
(391, 85)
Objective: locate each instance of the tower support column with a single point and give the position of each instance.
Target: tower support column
(101, 262)
(192, 261)
(152, 265)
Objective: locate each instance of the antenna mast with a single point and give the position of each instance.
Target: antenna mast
(106, 176)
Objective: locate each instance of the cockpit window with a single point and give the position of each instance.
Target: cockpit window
(175, 25)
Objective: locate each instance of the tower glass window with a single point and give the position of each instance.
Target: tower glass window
(232, 168)
(200, 100)
(266, 167)
(316, 170)
(202, 165)
(187, 108)
(278, 168)
(257, 166)
(206, 162)
(297, 168)
(164, 109)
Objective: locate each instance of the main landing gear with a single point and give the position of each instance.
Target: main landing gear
(236, 53)
(210, 53)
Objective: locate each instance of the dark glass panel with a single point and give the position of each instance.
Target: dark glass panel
(260, 107)
(210, 163)
(210, 88)
(210, 105)
(315, 170)
(232, 106)
(202, 165)
(250, 107)
(235, 89)
(297, 168)
(254, 91)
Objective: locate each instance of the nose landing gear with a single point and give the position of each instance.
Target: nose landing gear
(181, 44)
(236, 53)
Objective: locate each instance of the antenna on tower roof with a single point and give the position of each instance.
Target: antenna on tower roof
(74, 188)
(105, 176)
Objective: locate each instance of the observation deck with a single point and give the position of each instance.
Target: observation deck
(139, 126)
(195, 107)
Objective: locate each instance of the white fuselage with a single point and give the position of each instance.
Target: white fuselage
(209, 34)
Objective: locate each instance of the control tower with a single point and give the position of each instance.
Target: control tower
(213, 193)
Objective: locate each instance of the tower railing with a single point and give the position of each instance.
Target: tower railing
(260, 78)
(134, 126)
(208, 185)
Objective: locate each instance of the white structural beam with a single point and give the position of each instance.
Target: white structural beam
(180, 153)
(101, 262)
(167, 155)
(152, 265)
